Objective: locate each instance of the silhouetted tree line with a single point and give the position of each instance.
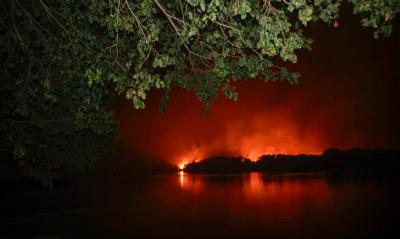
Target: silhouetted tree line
(334, 161)
(220, 164)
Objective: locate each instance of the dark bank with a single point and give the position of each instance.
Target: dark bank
(334, 162)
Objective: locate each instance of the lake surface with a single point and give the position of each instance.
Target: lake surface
(181, 205)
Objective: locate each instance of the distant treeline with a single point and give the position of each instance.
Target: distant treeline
(332, 160)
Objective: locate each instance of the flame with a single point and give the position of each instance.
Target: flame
(181, 166)
(195, 154)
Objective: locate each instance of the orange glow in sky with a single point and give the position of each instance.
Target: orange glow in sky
(253, 138)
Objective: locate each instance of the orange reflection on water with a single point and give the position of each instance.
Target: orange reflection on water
(289, 194)
(254, 185)
(191, 183)
(181, 178)
(281, 196)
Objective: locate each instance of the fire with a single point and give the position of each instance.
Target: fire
(195, 154)
(181, 166)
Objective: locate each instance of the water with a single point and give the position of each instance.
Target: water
(181, 205)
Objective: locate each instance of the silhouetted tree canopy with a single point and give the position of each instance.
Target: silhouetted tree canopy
(61, 61)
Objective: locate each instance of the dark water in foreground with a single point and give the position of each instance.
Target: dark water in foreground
(202, 206)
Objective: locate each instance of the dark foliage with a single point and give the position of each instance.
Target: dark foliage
(220, 165)
(51, 120)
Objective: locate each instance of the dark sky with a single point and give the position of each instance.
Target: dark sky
(348, 96)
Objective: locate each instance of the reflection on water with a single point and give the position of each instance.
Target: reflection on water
(206, 206)
(255, 193)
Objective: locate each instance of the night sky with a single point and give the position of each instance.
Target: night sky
(348, 96)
